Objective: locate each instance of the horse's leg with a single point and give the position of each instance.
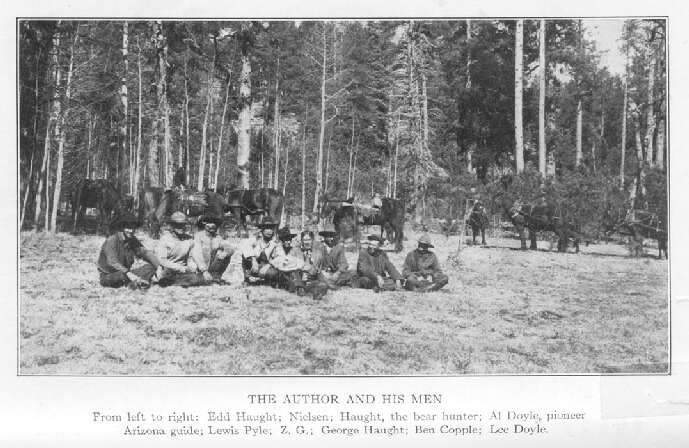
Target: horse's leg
(483, 235)
(522, 235)
(561, 240)
(532, 237)
(399, 236)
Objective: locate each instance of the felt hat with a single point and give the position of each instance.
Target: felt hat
(267, 223)
(284, 234)
(178, 218)
(425, 240)
(328, 230)
(125, 219)
(211, 219)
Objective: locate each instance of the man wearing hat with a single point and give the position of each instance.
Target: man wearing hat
(174, 251)
(421, 268)
(118, 253)
(210, 254)
(330, 261)
(257, 254)
(374, 269)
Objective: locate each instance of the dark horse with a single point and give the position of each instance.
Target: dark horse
(345, 217)
(478, 221)
(541, 218)
(100, 194)
(157, 204)
(266, 202)
(640, 224)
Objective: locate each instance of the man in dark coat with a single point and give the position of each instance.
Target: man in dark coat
(422, 270)
(330, 260)
(118, 253)
(374, 269)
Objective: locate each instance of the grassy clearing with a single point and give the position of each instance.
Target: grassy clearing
(505, 311)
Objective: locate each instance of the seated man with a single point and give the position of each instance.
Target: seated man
(257, 254)
(374, 269)
(174, 251)
(422, 270)
(330, 261)
(210, 254)
(118, 253)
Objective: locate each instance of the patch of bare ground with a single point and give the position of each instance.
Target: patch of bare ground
(505, 311)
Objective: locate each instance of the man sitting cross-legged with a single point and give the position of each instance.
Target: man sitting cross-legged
(118, 253)
(422, 270)
(330, 260)
(374, 269)
(257, 254)
(295, 263)
(174, 252)
(210, 254)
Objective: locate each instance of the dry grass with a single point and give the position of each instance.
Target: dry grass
(504, 312)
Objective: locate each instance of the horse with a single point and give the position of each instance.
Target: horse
(541, 218)
(266, 202)
(640, 224)
(478, 221)
(156, 204)
(100, 194)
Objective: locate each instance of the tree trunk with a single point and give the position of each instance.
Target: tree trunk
(276, 125)
(244, 122)
(319, 159)
(303, 171)
(579, 154)
(650, 113)
(579, 151)
(541, 101)
(467, 85)
(34, 148)
(349, 167)
(327, 161)
(185, 164)
(139, 161)
(518, 97)
(154, 165)
(397, 150)
(64, 110)
(660, 145)
(623, 143)
(124, 99)
(222, 127)
(54, 79)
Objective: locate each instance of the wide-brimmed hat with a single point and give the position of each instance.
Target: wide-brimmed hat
(268, 223)
(178, 218)
(125, 219)
(284, 234)
(374, 238)
(210, 219)
(425, 240)
(328, 230)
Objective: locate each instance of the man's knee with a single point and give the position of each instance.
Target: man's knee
(440, 280)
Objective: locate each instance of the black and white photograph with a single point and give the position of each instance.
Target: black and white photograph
(343, 197)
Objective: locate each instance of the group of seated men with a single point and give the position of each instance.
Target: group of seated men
(323, 265)
(179, 259)
(306, 267)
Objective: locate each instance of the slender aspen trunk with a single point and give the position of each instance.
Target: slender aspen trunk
(185, 164)
(660, 145)
(541, 101)
(276, 124)
(139, 161)
(467, 85)
(303, 171)
(623, 142)
(204, 129)
(580, 118)
(124, 99)
(34, 148)
(319, 159)
(518, 95)
(650, 113)
(53, 77)
(397, 150)
(349, 167)
(327, 162)
(222, 127)
(61, 136)
(244, 121)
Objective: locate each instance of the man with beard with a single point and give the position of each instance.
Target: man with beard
(210, 254)
(306, 278)
(118, 253)
(331, 262)
(257, 254)
(422, 270)
(374, 269)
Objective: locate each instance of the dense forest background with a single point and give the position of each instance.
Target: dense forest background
(420, 110)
